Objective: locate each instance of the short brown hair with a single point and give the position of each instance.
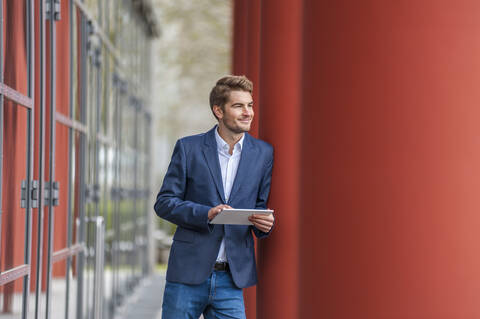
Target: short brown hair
(221, 91)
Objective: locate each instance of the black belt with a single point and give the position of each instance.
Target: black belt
(223, 266)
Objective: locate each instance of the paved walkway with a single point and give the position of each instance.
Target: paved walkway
(146, 300)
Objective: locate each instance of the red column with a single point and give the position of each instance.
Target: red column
(277, 291)
(390, 160)
(240, 56)
(240, 37)
(252, 71)
(253, 58)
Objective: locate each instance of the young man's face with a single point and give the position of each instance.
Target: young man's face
(237, 113)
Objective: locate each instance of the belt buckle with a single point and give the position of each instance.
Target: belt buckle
(221, 266)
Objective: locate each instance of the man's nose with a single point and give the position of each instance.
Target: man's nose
(246, 110)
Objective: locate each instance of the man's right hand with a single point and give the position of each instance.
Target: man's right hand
(214, 211)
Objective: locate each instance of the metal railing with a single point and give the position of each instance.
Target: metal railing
(99, 253)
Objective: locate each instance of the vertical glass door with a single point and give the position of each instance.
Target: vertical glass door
(18, 190)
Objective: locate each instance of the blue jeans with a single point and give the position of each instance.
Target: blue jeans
(217, 297)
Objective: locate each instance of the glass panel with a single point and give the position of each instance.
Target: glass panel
(114, 21)
(34, 270)
(110, 95)
(14, 168)
(62, 177)
(92, 178)
(140, 236)
(101, 13)
(124, 245)
(105, 106)
(92, 137)
(76, 67)
(92, 6)
(103, 181)
(125, 212)
(93, 256)
(63, 296)
(109, 230)
(109, 16)
(15, 46)
(72, 289)
(141, 138)
(31, 299)
(75, 186)
(123, 25)
(125, 124)
(11, 299)
(89, 270)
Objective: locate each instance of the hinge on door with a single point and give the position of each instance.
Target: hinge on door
(52, 190)
(92, 193)
(92, 39)
(97, 61)
(113, 193)
(33, 194)
(120, 84)
(119, 193)
(56, 10)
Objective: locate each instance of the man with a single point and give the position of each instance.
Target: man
(222, 168)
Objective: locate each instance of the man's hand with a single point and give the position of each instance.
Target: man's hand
(214, 211)
(262, 222)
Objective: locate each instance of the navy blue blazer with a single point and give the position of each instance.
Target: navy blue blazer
(193, 185)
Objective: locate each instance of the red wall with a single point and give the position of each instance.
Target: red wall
(388, 159)
(15, 138)
(391, 159)
(14, 148)
(61, 146)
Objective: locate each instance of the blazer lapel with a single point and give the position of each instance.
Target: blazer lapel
(211, 156)
(246, 159)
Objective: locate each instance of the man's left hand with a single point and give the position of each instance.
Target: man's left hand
(262, 222)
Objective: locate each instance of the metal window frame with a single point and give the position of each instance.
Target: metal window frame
(117, 294)
(20, 100)
(81, 127)
(41, 172)
(74, 127)
(30, 147)
(1, 114)
(82, 59)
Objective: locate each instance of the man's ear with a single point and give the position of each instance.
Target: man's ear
(218, 111)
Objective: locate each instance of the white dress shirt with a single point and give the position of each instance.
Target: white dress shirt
(228, 166)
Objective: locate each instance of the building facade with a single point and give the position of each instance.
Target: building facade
(372, 107)
(74, 149)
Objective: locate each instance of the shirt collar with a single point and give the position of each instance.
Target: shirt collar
(222, 145)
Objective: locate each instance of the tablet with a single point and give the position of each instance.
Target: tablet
(238, 216)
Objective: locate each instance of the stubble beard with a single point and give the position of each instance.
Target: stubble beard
(237, 129)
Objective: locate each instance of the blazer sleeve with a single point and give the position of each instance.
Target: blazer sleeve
(171, 204)
(263, 194)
